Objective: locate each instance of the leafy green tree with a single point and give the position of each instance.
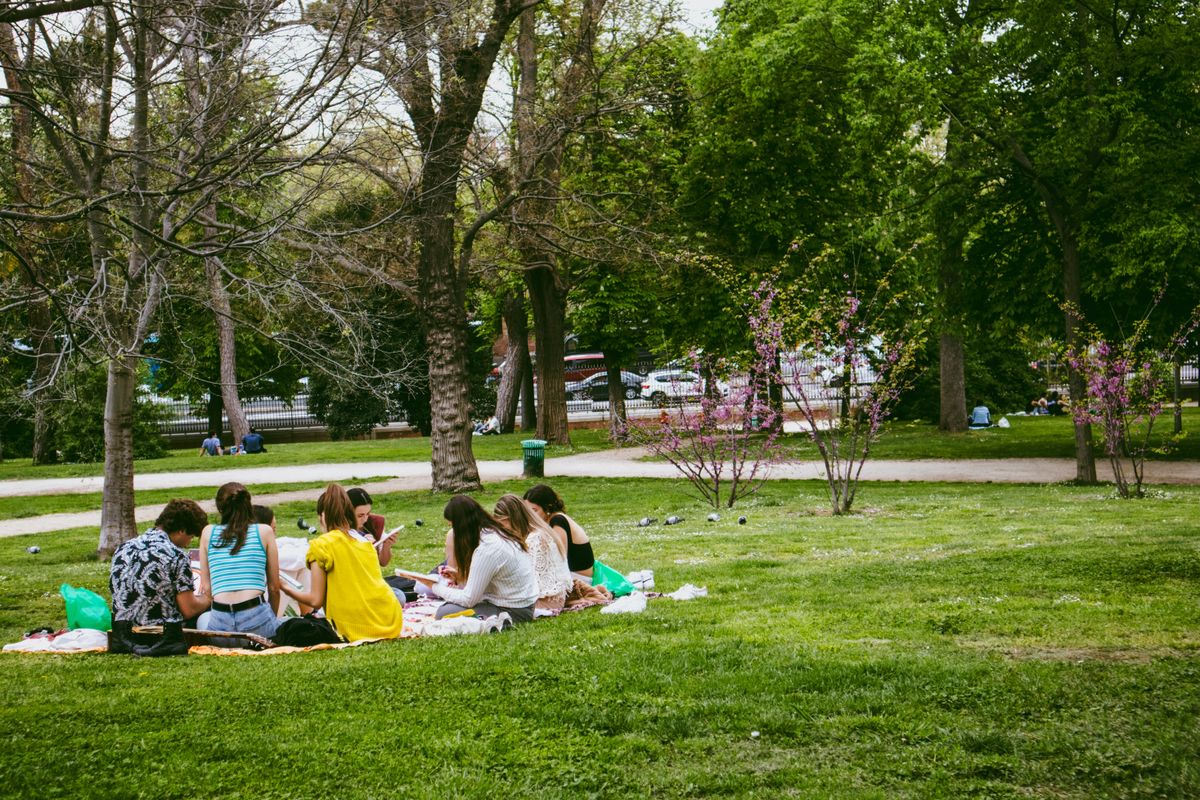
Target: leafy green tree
(1079, 105)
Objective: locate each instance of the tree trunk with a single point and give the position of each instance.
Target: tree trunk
(549, 318)
(617, 421)
(128, 330)
(215, 409)
(952, 384)
(445, 319)
(226, 342)
(516, 358)
(529, 414)
(1058, 210)
(116, 514)
(1085, 458)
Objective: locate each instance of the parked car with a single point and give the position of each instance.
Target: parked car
(578, 366)
(595, 387)
(675, 385)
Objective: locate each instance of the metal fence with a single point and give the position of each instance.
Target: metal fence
(270, 414)
(265, 414)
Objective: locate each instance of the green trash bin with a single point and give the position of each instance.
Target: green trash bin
(535, 457)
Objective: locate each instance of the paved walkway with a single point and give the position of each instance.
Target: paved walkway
(394, 476)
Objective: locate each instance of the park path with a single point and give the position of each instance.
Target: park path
(618, 463)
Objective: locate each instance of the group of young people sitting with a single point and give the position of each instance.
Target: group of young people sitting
(527, 554)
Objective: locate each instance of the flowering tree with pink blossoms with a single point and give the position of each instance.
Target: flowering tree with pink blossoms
(1126, 391)
(727, 446)
(844, 381)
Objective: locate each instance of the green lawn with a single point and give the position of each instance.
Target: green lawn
(36, 505)
(949, 641)
(1029, 437)
(505, 447)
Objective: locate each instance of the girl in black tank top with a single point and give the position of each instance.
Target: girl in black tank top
(579, 556)
(549, 505)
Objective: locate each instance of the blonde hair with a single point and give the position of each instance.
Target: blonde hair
(512, 512)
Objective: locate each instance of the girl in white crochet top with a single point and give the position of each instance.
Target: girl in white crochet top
(549, 554)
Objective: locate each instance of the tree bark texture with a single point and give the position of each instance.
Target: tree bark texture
(226, 340)
(117, 524)
(550, 321)
(952, 384)
(617, 421)
(539, 158)
(516, 359)
(445, 319)
(443, 113)
(529, 414)
(128, 320)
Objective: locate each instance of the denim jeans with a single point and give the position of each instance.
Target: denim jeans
(260, 620)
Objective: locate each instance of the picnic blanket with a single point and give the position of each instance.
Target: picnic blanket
(420, 620)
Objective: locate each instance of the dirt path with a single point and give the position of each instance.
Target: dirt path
(620, 463)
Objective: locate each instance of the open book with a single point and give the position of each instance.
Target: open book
(423, 577)
(389, 535)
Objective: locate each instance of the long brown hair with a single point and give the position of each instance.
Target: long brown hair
(335, 506)
(237, 512)
(467, 520)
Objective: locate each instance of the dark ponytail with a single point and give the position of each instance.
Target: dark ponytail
(545, 497)
(237, 512)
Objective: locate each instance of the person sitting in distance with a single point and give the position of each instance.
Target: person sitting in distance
(211, 446)
(252, 443)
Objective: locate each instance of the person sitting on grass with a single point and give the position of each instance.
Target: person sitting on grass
(372, 525)
(549, 552)
(151, 578)
(252, 443)
(264, 515)
(493, 572)
(239, 562)
(345, 576)
(546, 503)
(211, 446)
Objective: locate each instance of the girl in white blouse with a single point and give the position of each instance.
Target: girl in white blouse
(548, 552)
(494, 572)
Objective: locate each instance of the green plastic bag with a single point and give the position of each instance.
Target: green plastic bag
(609, 578)
(85, 609)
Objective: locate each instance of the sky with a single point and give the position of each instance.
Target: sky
(699, 13)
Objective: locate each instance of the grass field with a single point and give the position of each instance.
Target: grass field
(36, 505)
(505, 447)
(948, 641)
(1029, 437)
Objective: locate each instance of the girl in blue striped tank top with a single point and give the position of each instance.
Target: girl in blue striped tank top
(239, 564)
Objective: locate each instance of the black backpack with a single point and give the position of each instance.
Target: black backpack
(305, 631)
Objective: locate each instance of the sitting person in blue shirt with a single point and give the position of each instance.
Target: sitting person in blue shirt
(252, 443)
(211, 446)
(981, 417)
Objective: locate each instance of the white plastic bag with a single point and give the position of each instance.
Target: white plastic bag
(1004, 423)
(629, 604)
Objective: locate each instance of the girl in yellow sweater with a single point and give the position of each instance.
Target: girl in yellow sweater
(346, 579)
